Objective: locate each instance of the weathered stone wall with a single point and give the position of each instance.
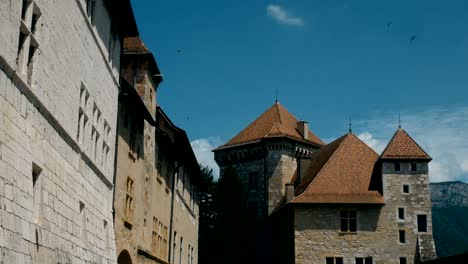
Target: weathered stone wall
(417, 201)
(58, 210)
(317, 235)
(317, 228)
(185, 219)
(281, 167)
(256, 194)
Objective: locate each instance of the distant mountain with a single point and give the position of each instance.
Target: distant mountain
(450, 217)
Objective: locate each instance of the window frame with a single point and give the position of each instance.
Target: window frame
(401, 217)
(425, 223)
(350, 220)
(402, 239)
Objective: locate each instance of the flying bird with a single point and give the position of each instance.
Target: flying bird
(412, 38)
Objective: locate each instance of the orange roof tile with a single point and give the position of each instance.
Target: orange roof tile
(277, 121)
(402, 146)
(340, 172)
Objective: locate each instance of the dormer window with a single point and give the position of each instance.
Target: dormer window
(397, 166)
(414, 167)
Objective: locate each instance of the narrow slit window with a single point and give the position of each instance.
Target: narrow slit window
(401, 213)
(397, 166)
(403, 260)
(24, 8)
(402, 236)
(83, 221)
(37, 192)
(414, 167)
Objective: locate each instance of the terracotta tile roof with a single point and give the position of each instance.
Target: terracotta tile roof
(340, 172)
(277, 121)
(402, 146)
(135, 45)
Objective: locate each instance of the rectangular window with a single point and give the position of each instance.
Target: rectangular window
(414, 167)
(27, 43)
(334, 260)
(422, 223)
(83, 221)
(348, 220)
(154, 238)
(406, 188)
(402, 236)
(403, 260)
(366, 260)
(253, 180)
(90, 9)
(401, 213)
(37, 193)
(129, 201)
(106, 238)
(181, 249)
(397, 166)
(25, 8)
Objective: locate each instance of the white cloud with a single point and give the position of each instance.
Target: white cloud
(283, 17)
(203, 151)
(376, 144)
(440, 132)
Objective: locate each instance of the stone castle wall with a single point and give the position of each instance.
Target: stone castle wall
(318, 235)
(56, 191)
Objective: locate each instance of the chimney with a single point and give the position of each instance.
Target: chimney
(303, 128)
(289, 192)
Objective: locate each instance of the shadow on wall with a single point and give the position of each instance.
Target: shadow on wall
(320, 217)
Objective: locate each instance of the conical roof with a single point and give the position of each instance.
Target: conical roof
(340, 172)
(276, 121)
(402, 146)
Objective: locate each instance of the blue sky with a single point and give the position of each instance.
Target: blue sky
(329, 60)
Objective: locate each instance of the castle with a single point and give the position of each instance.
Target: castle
(332, 203)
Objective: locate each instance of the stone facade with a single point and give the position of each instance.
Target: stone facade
(336, 203)
(156, 205)
(317, 227)
(272, 163)
(59, 76)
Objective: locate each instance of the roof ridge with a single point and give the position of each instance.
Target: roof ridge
(375, 152)
(388, 144)
(324, 165)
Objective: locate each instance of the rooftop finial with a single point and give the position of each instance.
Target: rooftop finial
(276, 99)
(350, 126)
(399, 120)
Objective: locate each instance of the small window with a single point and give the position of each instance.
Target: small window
(403, 260)
(253, 180)
(397, 166)
(334, 260)
(90, 8)
(406, 188)
(367, 260)
(402, 236)
(37, 192)
(422, 223)
(401, 213)
(414, 167)
(348, 220)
